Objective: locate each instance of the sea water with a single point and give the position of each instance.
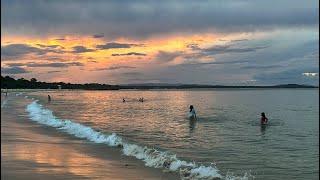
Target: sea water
(226, 141)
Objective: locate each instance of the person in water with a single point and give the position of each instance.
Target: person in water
(123, 100)
(49, 98)
(192, 113)
(264, 119)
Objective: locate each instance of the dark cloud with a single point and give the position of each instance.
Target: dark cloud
(193, 46)
(130, 54)
(215, 63)
(115, 45)
(261, 67)
(81, 49)
(18, 50)
(239, 40)
(50, 46)
(93, 61)
(222, 49)
(136, 19)
(164, 56)
(13, 70)
(98, 36)
(45, 64)
(15, 64)
(114, 68)
(60, 39)
(53, 72)
(53, 58)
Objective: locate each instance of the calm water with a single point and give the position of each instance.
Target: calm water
(227, 132)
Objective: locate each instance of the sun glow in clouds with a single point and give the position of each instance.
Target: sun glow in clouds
(170, 42)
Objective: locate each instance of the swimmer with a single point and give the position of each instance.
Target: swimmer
(264, 119)
(192, 113)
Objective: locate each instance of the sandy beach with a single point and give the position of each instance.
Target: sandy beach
(33, 151)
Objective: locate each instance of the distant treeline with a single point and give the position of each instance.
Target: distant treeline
(195, 86)
(11, 83)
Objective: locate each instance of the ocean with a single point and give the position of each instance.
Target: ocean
(225, 142)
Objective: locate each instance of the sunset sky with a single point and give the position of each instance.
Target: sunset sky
(240, 42)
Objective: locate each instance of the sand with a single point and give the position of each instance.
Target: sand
(33, 151)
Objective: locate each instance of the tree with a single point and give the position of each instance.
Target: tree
(33, 80)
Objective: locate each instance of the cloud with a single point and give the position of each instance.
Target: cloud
(309, 74)
(223, 49)
(98, 36)
(136, 19)
(15, 64)
(50, 46)
(17, 50)
(81, 49)
(115, 45)
(130, 54)
(193, 46)
(239, 40)
(60, 39)
(165, 57)
(53, 72)
(13, 70)
(54, 65)
(114, 68)
(214, 63)
(261, 66)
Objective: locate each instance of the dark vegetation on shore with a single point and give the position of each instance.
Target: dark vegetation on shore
(11, 83)
(8, 82)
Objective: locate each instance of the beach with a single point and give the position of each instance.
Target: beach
(33, 151)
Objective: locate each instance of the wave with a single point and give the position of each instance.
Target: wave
(152, 157)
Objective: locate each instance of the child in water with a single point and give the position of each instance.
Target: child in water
(192, 113)
(264, 119)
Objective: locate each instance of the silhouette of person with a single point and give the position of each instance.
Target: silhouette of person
(192, 113)
(264, 119)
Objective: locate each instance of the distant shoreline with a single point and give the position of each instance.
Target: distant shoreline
(163, 88)
(11, 83)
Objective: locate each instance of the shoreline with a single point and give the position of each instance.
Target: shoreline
(34, 151)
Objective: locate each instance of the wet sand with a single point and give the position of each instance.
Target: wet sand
(33, 151)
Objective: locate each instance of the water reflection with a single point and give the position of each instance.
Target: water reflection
(263, 129)
(192, 125)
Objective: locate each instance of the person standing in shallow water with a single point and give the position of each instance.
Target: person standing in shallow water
(192, 113)
(49, 98)
(264, 119)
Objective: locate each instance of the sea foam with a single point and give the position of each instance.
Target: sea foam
(151, 157)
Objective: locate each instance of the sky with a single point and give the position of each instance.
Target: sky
(217, 42)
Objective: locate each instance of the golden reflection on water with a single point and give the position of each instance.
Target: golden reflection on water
(52, 158)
